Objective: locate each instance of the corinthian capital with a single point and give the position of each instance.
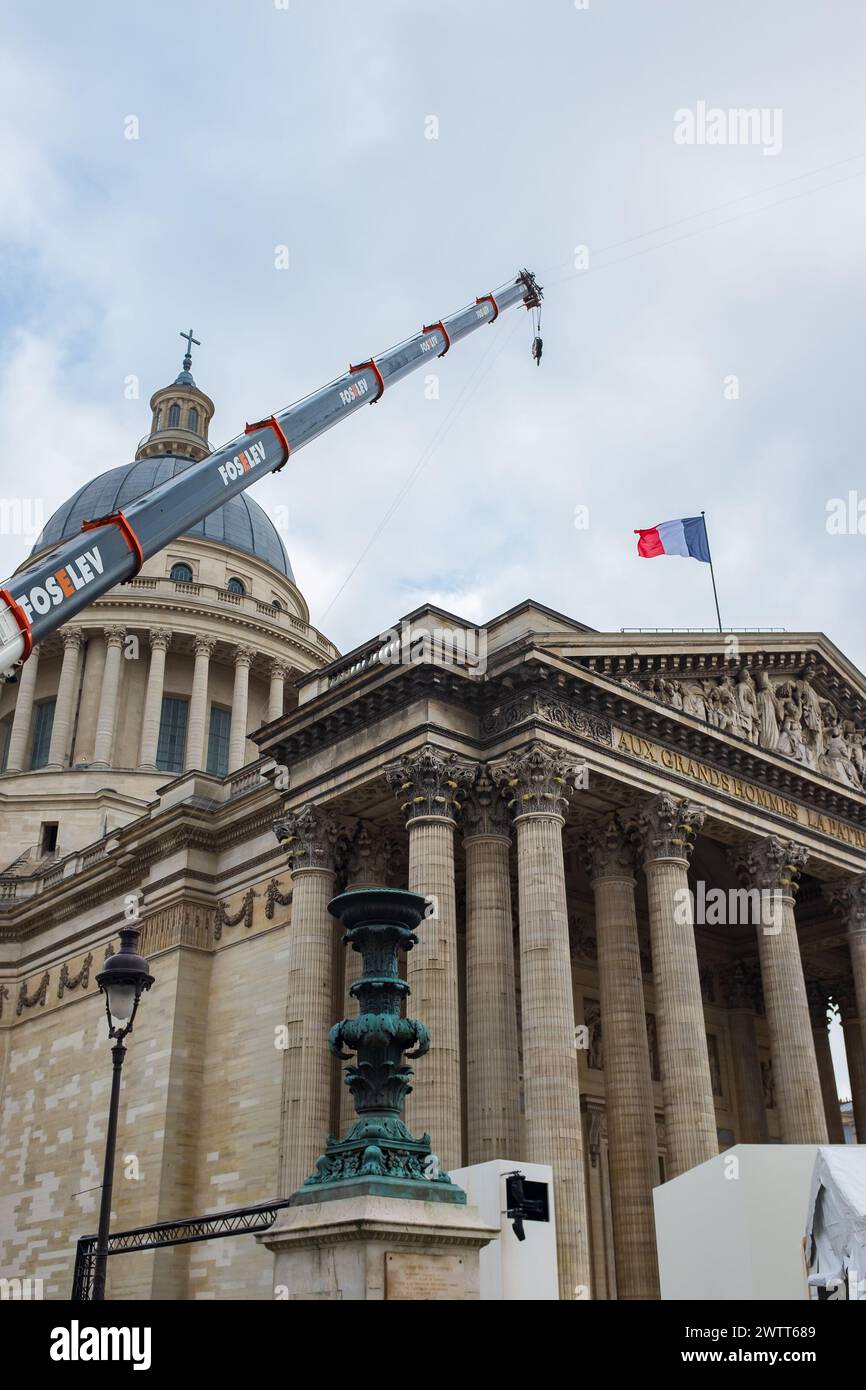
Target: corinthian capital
(114, 635)
(159, 638)
(484, 811)
(771, 864)
(71, 637)
(429, 783)
(608, 851)
(667, 827)
(310, 836)
(842, 992)
(370, 856)
(204, 645)
(848, 900)
(244, 656)
(535, 781)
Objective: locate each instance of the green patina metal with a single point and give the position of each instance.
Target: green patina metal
(379, 1156)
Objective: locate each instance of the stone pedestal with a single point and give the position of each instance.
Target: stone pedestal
(360, 1248)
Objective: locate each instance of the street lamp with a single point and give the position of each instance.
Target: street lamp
(123, 980)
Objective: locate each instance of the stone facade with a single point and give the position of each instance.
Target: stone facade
(639, 924)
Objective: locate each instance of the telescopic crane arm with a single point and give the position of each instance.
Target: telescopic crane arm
(110, 549)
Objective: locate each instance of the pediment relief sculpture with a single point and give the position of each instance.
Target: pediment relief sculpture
(781, 714)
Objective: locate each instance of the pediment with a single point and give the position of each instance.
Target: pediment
(799, 700)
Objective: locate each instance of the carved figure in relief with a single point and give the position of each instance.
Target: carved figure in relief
(693, 700)
(770, 713)
(747, 706)
(791, 738)
(836, 760)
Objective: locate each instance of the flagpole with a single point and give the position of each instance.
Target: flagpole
(712, 571)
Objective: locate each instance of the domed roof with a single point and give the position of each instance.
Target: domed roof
(239, 523)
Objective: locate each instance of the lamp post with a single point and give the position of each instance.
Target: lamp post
(123, 981)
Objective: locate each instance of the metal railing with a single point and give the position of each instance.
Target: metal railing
(240, 1221)
(704, 629)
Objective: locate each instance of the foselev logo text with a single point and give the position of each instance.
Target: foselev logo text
(62, 584)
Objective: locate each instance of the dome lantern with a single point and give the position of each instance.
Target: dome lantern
(181, 415)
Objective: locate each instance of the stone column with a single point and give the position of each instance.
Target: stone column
(742, 986)
(849, 901)
(275, 697)
(238, 730)
(667, 828)
(428, 784)
(628, 1087)
(310, 837)
(160, 638)
(196, 734)
(535, 788)
(492, 1064)
(19, 738)
(369, 860)
(819, 1002)
(852, 1028)
(105, 720)
(64, 708)
(771, 866)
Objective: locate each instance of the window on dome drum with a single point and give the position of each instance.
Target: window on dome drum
(42, 733)
(181, 574)
(173, 416)
(236, 586)
(275, 603)
(172, 734)
(192, 419)
(218, 741)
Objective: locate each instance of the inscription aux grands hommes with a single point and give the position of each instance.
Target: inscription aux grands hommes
(749, 792)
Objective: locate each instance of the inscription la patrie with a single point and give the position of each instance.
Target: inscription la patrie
(749, 792)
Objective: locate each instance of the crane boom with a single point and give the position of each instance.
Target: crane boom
(110, 549)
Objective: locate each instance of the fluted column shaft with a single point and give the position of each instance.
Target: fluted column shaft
(856, 1055)
(857, 952)
(307, 1114)
(537, 783)
(751, 1111)
(310, 837)
(690, 1114)
(276, 693)
(492, 1066)
(849, 901)
(64, 708)
(106, 717)
(628, 1088)
(196, 735)
(159, 641)
(552, 1124)
(434, 1107)
(795, 1068)
(19, 737)
(829, 1090)
(240, 699)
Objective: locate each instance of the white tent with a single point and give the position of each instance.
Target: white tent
(836, 1223)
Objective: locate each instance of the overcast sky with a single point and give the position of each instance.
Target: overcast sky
(307, 126)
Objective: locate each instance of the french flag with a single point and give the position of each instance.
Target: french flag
(686, 536)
